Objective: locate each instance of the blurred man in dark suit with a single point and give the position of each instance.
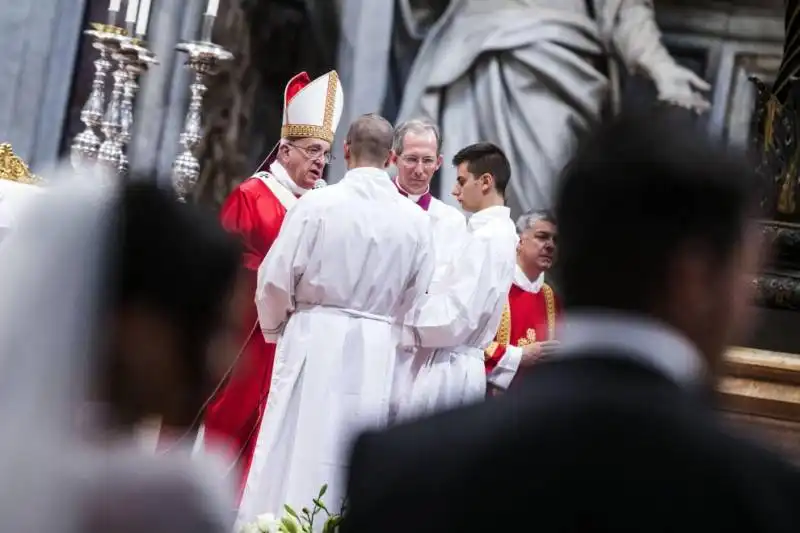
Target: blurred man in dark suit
(618, 432)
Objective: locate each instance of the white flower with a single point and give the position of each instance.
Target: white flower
(267, 523)
(250, 528)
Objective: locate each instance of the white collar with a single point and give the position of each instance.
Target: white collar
(414, 197)
(374, 174)
(522, 281)
(639, 338)
(484, 216)
(281, 176)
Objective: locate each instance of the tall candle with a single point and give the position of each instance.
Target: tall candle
(113, 12)
(130, 14)
(212, 7)
(144, 18)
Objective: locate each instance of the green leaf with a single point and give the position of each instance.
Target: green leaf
(289, 525)
(321, 505)
(291, 512)
(322, 491)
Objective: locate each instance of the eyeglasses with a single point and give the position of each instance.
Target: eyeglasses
(314, 153)
(412, 161)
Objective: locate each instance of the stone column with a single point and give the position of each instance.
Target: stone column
(364, 46)
(39, 43)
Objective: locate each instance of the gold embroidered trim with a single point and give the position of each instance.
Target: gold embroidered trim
(550, 304)
(504, 331)
(306, 130)
(330, 102)
(489, 352)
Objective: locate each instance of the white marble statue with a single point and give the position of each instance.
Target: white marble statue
(532, 76)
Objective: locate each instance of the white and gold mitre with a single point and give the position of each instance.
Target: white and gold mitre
(312, 108)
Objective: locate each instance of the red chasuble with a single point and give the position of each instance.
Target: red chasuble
(528, 317)
(254, 213)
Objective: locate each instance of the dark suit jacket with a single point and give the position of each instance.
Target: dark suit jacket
(583, 444)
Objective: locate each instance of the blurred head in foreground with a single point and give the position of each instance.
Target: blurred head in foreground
(173, 307)
(655, 219)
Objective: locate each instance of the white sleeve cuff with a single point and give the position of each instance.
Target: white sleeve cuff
(272, 336)
(408, 336)
(506, 368)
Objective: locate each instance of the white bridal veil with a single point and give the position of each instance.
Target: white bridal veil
(52, 269)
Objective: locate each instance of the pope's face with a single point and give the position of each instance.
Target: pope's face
(418, 162)
(305, 160)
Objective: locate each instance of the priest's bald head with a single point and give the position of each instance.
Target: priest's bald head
(368, 142)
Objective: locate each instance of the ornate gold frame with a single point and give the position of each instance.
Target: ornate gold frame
(762, 383)
(761, 393)
(13, 168)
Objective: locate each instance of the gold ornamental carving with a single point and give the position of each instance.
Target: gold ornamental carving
(13, 168)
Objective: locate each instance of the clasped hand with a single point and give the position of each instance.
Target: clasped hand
(534, 352)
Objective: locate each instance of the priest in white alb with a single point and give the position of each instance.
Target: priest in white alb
(416, 154)
(350, 261)
(460, 314)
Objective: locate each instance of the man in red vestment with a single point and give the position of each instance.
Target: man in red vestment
(527, 328)
(255, 211)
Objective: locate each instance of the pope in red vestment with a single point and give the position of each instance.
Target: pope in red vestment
(527, 329)
(255, 211)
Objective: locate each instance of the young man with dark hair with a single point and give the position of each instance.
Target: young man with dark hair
(458, 318)
(658, 247)
(483, 175)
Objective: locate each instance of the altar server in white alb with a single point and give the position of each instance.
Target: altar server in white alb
(460, 314)
(350, 261)
(416, 154)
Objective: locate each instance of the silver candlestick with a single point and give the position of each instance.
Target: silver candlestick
(139, 60)
(205, 59)
(86, 144)
(110, 152)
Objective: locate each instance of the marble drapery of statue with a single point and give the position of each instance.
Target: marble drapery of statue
(349, 262)
(528, 327)
(533, 75)
(255, 211)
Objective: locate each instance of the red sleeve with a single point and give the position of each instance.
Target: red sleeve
(492, 355)
(497, 349)
(242, 215)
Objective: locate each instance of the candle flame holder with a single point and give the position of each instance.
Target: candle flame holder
(106, 40)
(205, 59)
(139, 60)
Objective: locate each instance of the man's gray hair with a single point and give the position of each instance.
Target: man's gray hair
(528, 219)
(417, 126)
